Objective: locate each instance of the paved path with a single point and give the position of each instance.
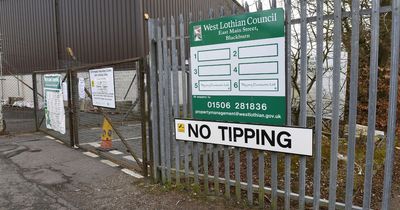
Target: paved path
(37, 172)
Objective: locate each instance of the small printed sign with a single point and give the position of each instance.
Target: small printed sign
(290, 140)
(102, 87)
(81, 88)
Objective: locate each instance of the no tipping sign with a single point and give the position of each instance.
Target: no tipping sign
(269, 138)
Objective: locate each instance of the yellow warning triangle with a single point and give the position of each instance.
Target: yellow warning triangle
(106, 136)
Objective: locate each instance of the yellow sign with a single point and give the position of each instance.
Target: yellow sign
(181, 127)
(106, 137)
(107, 131)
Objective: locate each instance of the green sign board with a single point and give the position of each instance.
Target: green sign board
(238, 68)
(53, 102)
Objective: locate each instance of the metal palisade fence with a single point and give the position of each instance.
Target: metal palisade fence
(339, 175)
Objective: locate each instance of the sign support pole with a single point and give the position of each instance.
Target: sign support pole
(2, 91)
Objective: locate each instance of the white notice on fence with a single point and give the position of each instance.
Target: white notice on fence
(269, 138)
(102, 86)
(54, 105)
(81, 88)
(65, 91)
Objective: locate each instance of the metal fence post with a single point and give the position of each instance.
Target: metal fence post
(288, 16)
(355, 22)
(318, 106)
(70, 105)
(2, 91)
(149, 123)
(372, 102)
(161, 111)
(303, 97)
(393, 94)
(175, 95)
(142, 91)
(73, 99)
(166, 90)
(35, 101)
(153, 100)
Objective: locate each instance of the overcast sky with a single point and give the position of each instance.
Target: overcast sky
(264, 2)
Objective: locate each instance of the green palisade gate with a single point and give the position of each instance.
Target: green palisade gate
(238, 68)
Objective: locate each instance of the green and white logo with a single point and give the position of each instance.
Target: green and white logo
(198, 36)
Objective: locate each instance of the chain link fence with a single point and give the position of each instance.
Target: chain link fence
(84, 121)
(17, 102)
(39, 102)
(125, 119)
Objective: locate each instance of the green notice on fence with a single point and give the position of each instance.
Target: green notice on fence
(238, 68)
(53, 102)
